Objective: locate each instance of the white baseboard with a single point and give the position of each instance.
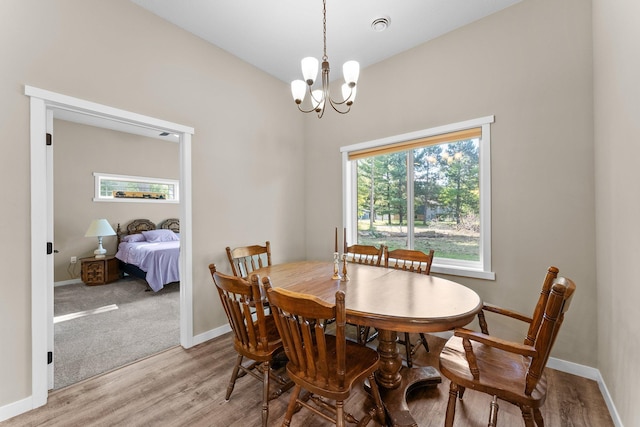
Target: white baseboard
(66, 282)
(16, 408)
(213, 333)
(574, 368)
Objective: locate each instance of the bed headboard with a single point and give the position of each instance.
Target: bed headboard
(134, 227)
(172, 224)
(139, 225)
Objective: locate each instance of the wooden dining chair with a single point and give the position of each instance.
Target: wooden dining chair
(324, 365)
(364, 254)
(368, 255)
(414, 261)
(245, 259)
(255, 335)
(506, 370)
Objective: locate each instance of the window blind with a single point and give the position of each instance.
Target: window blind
(459, 135)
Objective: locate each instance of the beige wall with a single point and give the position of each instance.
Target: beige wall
(617, 126)
(530, 66)
(80, 151)
(246, 151)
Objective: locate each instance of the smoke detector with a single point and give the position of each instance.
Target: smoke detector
(380, 24)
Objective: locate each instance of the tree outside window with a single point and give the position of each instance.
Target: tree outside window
(445, 202)
(428, 189)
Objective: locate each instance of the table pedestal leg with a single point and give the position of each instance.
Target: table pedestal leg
(395, 381)
(388, 374)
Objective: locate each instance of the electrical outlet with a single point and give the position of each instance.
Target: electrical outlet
(74, 259)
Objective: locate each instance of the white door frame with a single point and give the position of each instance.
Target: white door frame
(43, 106)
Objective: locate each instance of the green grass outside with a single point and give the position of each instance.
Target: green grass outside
(443, 237)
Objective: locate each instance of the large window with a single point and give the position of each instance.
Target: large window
(122, 188)
(425, 190)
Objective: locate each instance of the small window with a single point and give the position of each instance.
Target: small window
(123, 188)
(425, 190)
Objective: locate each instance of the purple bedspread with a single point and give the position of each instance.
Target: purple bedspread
(160, 260)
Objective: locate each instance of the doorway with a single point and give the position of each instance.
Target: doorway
(100, 328)
(44, 106)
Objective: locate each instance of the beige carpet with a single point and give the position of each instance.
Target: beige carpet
(144, 323)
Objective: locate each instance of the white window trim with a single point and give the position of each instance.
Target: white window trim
(97, 176)
(479, 270)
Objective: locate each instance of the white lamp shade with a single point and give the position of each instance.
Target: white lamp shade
(298, 90)
(99, 228)
(351, 71)
(317, 100)
(309, 69)
(349, 93)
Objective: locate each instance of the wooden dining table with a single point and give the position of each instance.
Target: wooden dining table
(392, 301)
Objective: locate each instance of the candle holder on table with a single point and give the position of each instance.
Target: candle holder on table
(336, 266)
(345, 276)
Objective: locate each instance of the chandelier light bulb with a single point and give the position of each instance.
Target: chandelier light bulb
(317, 100)
(309, 69)
(348, 93)
(351, 72)
(298, 90)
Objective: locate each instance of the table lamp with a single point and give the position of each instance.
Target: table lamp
(100, 228)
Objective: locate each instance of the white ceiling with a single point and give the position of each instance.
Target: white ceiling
(274, 36)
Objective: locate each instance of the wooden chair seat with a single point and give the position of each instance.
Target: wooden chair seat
(503, 372)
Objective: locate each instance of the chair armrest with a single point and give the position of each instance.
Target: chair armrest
(506, 312)
(499, 343)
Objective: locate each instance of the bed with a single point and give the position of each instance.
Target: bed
(150, 252)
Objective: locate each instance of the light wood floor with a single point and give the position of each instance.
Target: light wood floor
(181, 387)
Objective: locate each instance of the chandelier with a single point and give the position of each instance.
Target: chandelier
(320, 97)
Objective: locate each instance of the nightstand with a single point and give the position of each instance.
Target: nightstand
(99, 271)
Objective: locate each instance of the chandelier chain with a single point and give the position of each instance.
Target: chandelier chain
(324, 29)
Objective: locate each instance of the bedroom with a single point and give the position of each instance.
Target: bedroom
(75, 160)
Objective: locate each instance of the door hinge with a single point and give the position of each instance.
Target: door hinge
(49, 248)
(49, 357)
(49, 139)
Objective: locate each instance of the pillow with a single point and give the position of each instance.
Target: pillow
(160, 236)
(130, 238)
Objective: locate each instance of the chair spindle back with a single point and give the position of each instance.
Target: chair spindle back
(241, 300)
(409, 260)
(365, 254)
(246, 259)
(301, 320)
